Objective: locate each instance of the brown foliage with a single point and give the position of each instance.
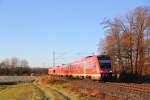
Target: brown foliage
(128, 40)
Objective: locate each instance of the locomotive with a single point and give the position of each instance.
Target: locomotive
(95, 67)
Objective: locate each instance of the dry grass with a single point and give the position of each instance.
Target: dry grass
(89, 90)
(76, 89)
(21, 92)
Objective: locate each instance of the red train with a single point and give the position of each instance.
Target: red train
(94, 67)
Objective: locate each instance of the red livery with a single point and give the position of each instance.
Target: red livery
(94, 67)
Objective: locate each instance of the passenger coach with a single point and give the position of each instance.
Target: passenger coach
(93, 67)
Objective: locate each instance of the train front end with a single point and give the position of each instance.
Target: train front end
(106, 69)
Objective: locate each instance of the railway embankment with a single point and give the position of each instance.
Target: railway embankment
(95, 90)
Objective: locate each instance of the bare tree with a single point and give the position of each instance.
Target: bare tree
(15, 62)
(113, 40)
(128, 39)
(14, 66)
(24, 63)
(141, 24)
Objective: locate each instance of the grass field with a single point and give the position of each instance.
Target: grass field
(58, 88)
(28, 88)
(19, 88)
(22, 92)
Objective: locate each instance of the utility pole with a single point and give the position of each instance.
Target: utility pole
(53, 58)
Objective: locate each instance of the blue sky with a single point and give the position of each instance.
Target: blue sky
(33, 29)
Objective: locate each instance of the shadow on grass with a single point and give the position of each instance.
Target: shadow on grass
(8, 83)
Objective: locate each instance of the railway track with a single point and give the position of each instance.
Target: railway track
(127, 91)
(133, 86)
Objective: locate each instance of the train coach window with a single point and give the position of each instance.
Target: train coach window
(65, 68)
(91, 65)
(81, 66)
(68, 67)
(86, 65)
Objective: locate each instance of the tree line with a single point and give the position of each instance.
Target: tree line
(127, 40)
(16, 66)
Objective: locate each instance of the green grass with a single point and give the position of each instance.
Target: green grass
(2, 87)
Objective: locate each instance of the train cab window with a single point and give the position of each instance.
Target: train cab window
(105, 65)
(105, 62)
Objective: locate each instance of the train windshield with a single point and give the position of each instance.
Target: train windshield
(105, 62)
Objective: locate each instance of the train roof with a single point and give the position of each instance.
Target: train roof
(103, 56)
